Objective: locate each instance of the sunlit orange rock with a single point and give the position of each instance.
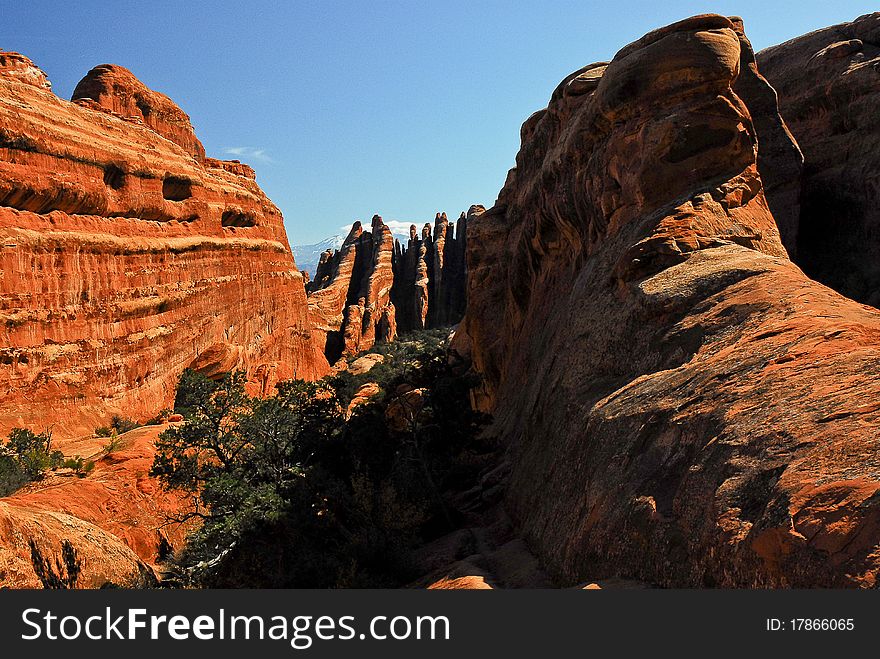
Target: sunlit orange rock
(350, 297)
(126, 257)
(118, 498)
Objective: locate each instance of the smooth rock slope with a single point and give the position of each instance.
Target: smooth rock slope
(683, 406)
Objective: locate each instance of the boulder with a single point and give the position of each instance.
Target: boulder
(363, 364)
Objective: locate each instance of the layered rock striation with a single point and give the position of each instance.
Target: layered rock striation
(350, 296)
(682, 405)
(430, 274)
(828, 83)
(127, 256)
(373, 287)
(115, 89)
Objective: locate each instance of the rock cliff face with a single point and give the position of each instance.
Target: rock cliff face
(829, 91)
(127, 256)
(115, 89)
(430, 274)
(682, 404)
(372, 287)
(350, 296)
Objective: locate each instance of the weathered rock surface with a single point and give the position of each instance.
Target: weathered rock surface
(780, 161)
(118, 496)
(364, 394)
(117, 517)
(372, 287)
(19, 67)
(104, 558)
(116, 89)
(828, 83)
(430, 274)
(683, 406)
(126, 257)
(365, 364)
(350, 297)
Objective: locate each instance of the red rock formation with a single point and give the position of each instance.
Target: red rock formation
(126, 257)
(350, 298)
(422, 279)
(114, 88)
(105, 558)
(117, 516)
(780, 161)
(829, 90)
(19, 67)
(430, 275)
(682, 405)
(371, 286)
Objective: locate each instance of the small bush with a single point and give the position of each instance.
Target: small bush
(12, 476)
(113, 444)
(118, 425)
(79, 464)
(121, 424)
(25, 457)
(33, 452)
(160, 418)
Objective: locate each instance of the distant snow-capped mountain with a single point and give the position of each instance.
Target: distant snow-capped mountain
(307, 256)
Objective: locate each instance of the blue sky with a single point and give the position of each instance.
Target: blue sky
(346, 109)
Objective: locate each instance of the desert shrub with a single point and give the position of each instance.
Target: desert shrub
(114, 443)
(292, 494)
(25, 457)
(12, 476)
(33, 452)
(403, 359)
(121, 424)
(79, 464)
(160, 418)
(118, 425)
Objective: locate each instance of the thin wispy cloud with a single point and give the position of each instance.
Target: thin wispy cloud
(249, 153)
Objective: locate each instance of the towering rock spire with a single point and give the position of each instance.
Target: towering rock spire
(350, 299)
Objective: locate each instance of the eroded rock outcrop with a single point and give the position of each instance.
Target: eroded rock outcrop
(683, 405)
(430, 274)
(127, 256)
(350, 296)
(117, 517)
(19, 67)
(372, 287)
(105, 560)
(116, 89)
(829, 91)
